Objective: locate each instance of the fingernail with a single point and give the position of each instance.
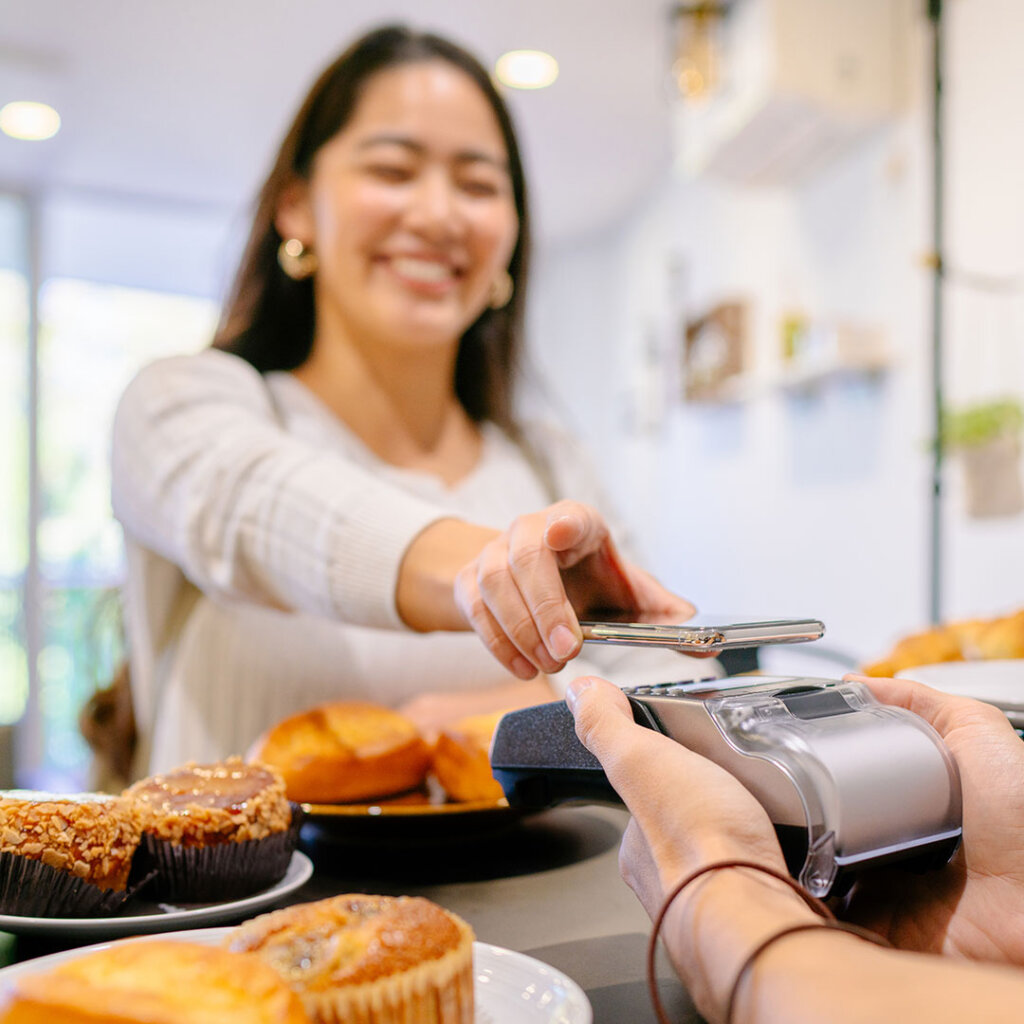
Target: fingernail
(576, 689)
(572, 520)
(522, 668)
(562, 643)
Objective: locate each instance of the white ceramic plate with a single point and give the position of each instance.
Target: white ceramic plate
(995, 682)
(510, 988)
(163, 917)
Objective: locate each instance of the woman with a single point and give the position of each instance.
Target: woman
(338, 475)
(957, 931)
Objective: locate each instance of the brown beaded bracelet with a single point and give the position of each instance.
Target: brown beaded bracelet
(817, 905)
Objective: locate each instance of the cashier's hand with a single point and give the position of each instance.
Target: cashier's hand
(972, 908)
(528, 587)
(686, 810)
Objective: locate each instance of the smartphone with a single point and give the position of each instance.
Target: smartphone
(702, 638)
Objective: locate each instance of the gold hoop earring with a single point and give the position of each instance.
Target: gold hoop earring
(501, 290)
(296, 260)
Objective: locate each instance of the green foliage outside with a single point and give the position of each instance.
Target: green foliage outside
(92, 338)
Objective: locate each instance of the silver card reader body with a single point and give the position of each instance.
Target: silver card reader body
(848, 782)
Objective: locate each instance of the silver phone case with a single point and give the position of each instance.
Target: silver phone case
(704, 638)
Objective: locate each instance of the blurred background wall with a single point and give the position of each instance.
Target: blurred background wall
(810, 493)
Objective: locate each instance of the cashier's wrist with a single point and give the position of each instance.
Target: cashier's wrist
(756, 957)
(713, 916)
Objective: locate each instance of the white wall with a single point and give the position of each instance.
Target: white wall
(180, 248)
(813, 504)
(986, 236)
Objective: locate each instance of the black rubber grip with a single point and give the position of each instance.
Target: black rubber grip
(539, 762)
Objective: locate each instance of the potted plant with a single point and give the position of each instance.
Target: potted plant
(987, 439)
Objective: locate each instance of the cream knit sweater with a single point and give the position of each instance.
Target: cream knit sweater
(250, 490)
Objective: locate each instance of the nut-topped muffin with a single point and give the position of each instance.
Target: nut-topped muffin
(372, 959)
(215, 831)
(206, 804)
(64, 854)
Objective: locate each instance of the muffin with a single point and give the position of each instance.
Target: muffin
(215, 831)
(65, 855)
(368, 959)
(462, 760)
(156, 982)
(345, 751)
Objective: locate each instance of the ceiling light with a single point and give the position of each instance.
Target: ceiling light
(526, 69)
(29, 121)
(697, 67)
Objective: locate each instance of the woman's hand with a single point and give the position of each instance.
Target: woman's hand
(686, 810)
(973, 907)
(527, 588)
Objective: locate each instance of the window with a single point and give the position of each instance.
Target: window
(92, 339)
(117, 287)
(14, 480)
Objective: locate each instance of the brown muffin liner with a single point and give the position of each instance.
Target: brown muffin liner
(30, 888)
(223, 871)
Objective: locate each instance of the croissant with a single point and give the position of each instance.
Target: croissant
(964, 640)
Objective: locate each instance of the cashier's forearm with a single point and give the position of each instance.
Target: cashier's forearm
(827, 976)
(819, 976)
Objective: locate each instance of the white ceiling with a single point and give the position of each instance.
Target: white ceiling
(186, 100)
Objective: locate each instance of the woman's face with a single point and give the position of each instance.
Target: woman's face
(409, 209)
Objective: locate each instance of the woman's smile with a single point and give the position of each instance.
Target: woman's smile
(424, 275)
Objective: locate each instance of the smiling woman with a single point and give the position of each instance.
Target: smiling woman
(319, 507)
(410, 211)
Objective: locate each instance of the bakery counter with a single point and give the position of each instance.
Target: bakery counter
(545, 885)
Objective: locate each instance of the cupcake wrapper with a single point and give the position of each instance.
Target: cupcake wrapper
(225, 871)
(30, 888)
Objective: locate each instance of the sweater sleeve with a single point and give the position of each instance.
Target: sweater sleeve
(204, 475)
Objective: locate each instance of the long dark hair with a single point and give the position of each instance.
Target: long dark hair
(269, 318)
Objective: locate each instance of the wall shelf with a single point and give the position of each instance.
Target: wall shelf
(792, 381)
(801, 380)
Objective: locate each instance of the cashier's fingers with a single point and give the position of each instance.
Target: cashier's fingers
(690, 810)
(634, 758)
(947, 714)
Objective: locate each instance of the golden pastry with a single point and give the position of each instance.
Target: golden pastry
(345, 751)
(155, 982)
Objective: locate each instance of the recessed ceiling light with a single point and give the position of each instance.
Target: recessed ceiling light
(526, 69)
(30, 121)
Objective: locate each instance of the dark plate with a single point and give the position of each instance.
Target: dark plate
(424, 815)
